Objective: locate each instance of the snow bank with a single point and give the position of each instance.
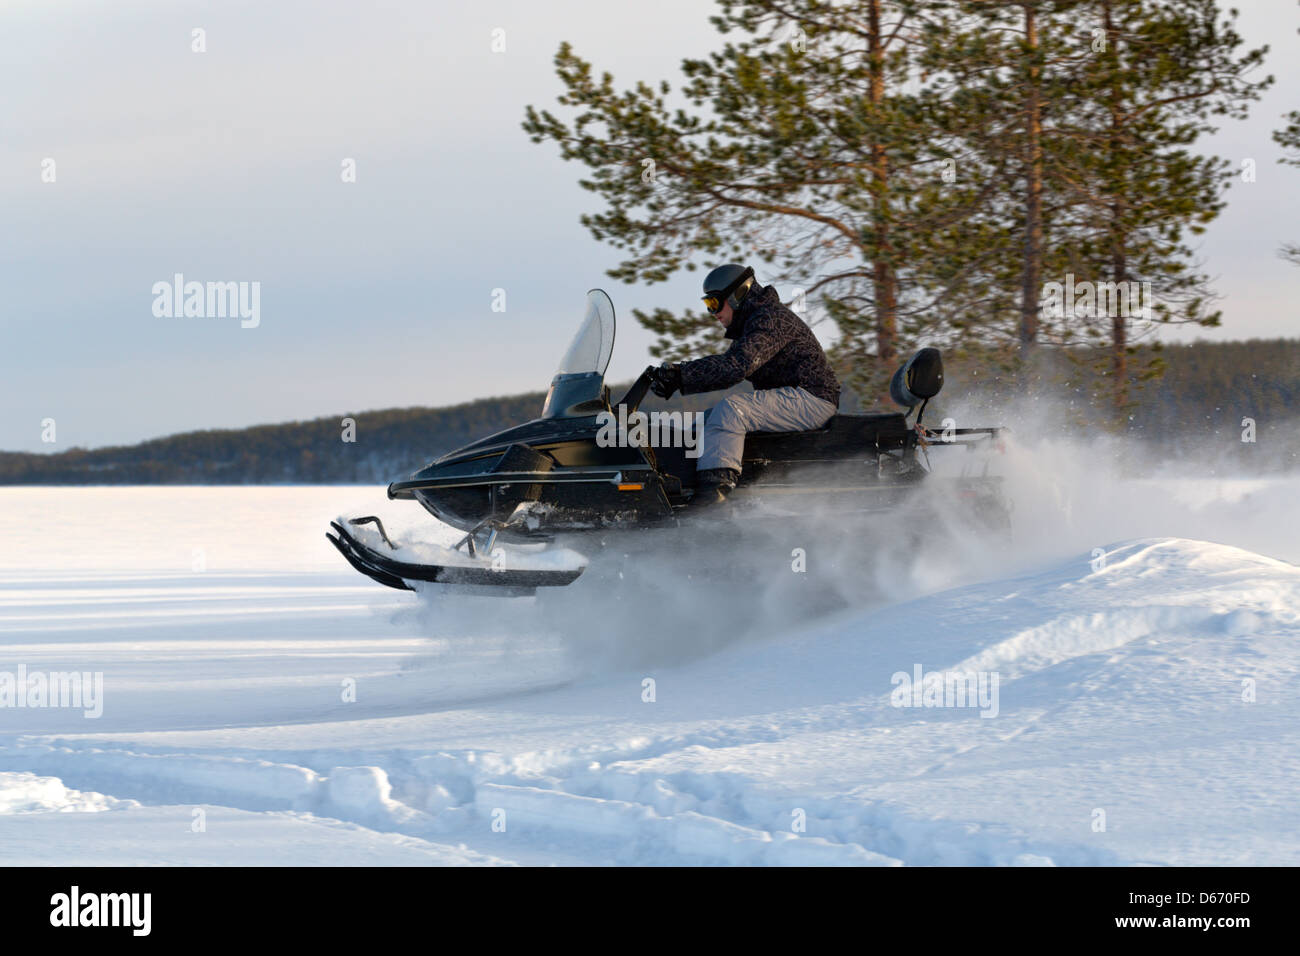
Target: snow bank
(28, 793)
(1145, 706)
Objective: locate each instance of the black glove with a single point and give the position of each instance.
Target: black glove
(665, 380)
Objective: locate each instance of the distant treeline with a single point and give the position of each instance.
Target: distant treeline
(1194, 411)
(388, 443)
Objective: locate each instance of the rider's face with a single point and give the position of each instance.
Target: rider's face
(724, 314)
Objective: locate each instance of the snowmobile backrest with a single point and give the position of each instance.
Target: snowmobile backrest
(919, 379)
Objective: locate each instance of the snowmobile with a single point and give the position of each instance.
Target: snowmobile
(590, 465)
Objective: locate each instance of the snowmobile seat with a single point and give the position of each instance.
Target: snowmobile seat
(844, 436)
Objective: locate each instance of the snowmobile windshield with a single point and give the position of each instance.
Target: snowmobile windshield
(578, 386)
(594, 343)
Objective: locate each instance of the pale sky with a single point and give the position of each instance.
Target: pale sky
(225, 166)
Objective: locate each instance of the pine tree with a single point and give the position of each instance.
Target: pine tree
(1085, 110)
(1004, 93)
(798, 145)
(1164, 72)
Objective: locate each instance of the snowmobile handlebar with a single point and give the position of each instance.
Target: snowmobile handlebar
(636, 394)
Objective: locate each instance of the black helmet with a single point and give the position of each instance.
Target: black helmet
(729, 283)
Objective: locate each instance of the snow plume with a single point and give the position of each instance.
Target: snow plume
(661, 597)
(665, 598)
(1076, 490)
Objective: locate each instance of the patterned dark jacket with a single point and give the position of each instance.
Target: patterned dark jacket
(772, 347)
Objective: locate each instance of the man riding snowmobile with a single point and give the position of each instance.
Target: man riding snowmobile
(535, 501)
(795, 388)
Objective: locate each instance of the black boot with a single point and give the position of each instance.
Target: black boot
(712, 485)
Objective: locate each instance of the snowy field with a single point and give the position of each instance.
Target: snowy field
(263, 704)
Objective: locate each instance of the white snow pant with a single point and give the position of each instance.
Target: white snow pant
(788, 409)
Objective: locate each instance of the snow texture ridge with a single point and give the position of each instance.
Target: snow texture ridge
(1144, 714)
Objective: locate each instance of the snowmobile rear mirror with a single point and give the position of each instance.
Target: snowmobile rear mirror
(919, 379)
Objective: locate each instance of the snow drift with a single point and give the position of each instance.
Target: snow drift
(1145, 706)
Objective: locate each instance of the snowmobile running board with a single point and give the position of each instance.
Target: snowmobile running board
(397, 574)
(407, 488)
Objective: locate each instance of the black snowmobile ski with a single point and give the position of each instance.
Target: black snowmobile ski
(397, 574)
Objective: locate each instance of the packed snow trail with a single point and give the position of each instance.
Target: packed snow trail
(1145, 711)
